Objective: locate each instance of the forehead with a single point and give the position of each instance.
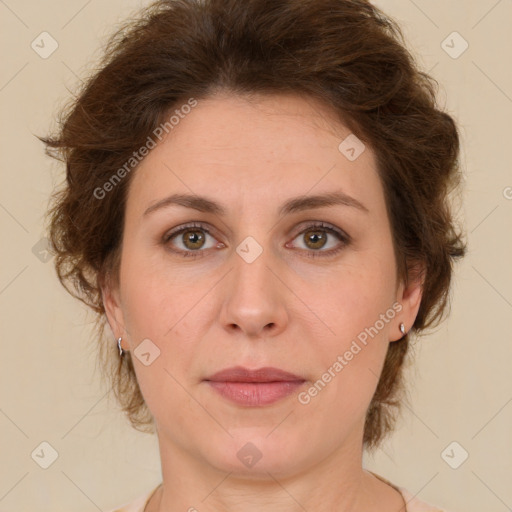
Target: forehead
(259, 148)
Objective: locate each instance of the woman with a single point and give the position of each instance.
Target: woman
(257, 203)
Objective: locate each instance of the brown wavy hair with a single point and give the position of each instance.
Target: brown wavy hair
(345, 53)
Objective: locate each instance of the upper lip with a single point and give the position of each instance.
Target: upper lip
(241, 374)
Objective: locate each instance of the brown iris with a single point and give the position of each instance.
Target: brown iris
(195, 237)
(317, 240)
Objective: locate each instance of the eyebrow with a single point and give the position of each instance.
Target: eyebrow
(296, 204)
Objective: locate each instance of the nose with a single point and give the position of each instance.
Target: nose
(254, 297)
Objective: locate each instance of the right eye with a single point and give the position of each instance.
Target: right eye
(191, 237)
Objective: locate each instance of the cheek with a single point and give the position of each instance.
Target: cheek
(155, 315)
(358, 296)
(160, 305)
(359, 312)
(348, 369)
(152, 299)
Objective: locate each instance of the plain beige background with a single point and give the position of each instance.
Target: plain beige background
(460, 385)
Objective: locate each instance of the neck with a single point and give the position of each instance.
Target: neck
(337, 483)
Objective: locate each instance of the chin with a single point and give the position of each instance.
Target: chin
(255, 452)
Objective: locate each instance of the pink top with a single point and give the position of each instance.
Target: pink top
(413, 503)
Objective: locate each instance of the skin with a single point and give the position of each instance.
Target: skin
(284, 309)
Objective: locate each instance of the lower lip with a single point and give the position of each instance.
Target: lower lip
(255, 393)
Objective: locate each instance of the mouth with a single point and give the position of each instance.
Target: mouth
(263, 386)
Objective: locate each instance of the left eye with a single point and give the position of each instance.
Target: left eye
(317, 237)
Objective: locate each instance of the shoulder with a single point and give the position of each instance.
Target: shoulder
(413, 503)
(138, 504)
(416, 505)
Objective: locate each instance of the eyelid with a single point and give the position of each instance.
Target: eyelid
(312, 224)
(182, 227)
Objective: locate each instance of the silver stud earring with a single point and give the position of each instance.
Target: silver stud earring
(402, 328)
(121, 351)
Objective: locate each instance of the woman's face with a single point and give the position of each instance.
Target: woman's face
(266, 282)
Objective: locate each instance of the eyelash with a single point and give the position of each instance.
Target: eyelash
(321, 226)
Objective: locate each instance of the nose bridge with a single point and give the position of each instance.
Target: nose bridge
(251, 271)
(254, 298)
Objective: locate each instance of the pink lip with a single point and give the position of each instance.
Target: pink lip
(259, 387)
(241, 374)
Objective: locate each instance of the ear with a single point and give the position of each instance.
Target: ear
(409, 296)
(111, 301)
